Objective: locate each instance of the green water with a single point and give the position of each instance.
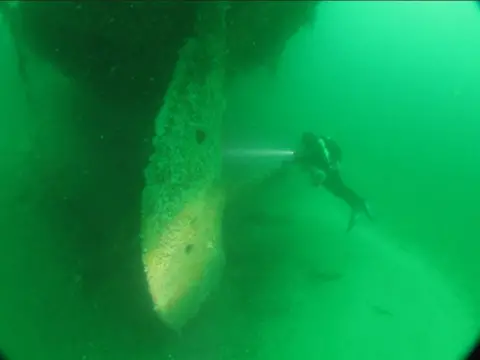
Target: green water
(395, 83)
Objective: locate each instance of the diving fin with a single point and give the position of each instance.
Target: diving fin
(353, 219)
(364, 208)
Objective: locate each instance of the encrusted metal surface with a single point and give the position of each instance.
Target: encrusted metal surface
(182, 200)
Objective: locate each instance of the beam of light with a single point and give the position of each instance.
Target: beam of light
(258, 153)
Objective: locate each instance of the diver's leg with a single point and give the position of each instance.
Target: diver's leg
(334, 183)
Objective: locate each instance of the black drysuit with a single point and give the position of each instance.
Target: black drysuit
(323, 155)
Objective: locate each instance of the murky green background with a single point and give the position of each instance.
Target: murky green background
(397, 84)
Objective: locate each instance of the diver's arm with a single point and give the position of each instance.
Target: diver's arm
(317, 176)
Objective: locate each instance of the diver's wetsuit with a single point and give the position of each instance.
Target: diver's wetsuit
(334, 183)
(323, 155)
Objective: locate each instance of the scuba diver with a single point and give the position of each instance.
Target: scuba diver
(321, 157)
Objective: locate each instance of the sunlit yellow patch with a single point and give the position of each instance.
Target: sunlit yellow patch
(183, 259)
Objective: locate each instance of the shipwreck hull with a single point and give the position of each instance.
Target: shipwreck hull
(183, 200)
(167, 63)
